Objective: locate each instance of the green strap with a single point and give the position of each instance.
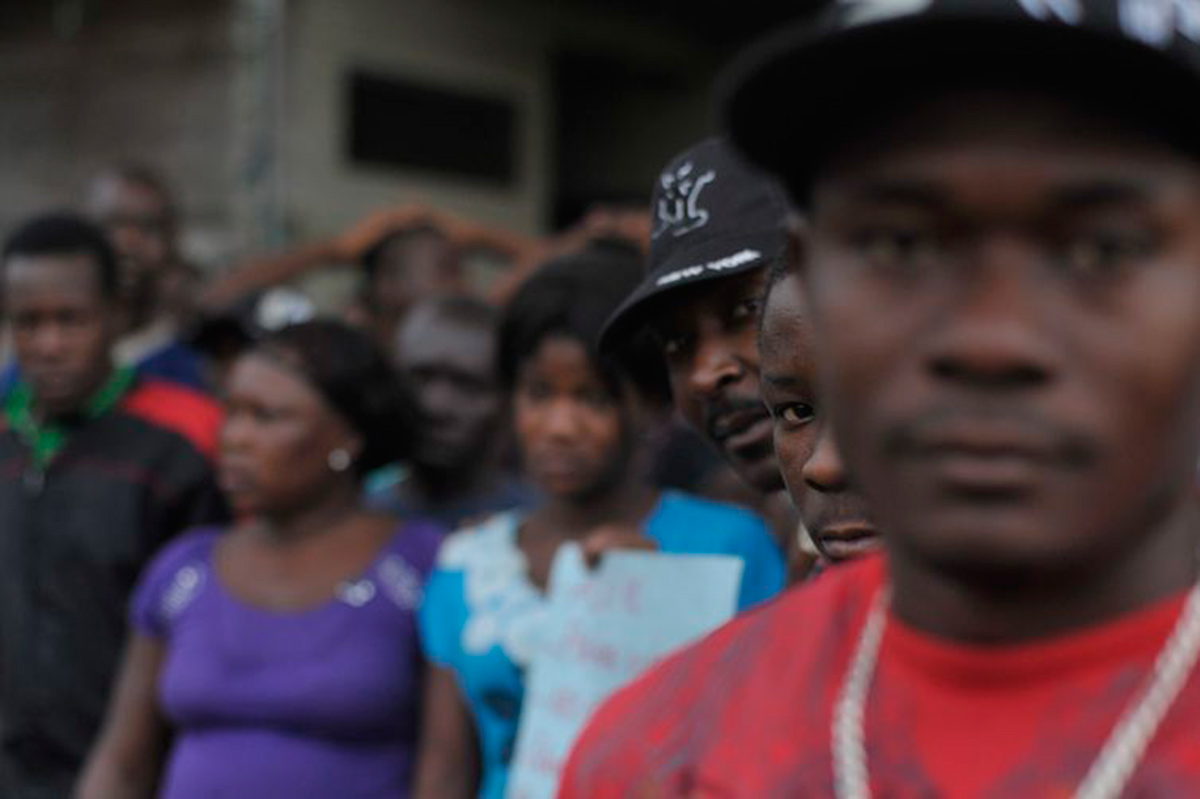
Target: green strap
(46, 440)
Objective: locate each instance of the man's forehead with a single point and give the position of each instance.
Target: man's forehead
(785, 327)
(430, 338)
(114, 194)
(66, 275)
(1005, 136)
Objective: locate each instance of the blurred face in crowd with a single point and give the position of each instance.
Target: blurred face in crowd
(449, 365)
(139, 220)
(833, 513)
(276, 440)
(63, 326)
(576, 435)
(1005, 288)
(412, 267)
(709, 336)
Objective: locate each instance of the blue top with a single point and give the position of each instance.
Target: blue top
(174, 362)
(481, 614)
(288, 705)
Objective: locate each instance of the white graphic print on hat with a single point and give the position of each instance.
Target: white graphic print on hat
(1069, 11)
(678, 206)
(1156, 22)
(860, 12)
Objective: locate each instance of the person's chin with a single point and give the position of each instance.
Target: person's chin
(1003, 544)
(58, 400)
(562, 483)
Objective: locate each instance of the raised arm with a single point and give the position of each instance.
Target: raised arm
(344, 249)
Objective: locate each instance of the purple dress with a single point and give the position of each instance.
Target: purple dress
(316, 703)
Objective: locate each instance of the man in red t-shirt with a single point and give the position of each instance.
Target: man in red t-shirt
(1002, 265)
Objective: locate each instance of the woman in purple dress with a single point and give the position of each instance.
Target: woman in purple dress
(281, 659)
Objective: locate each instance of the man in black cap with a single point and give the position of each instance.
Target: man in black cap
(717, 225)
(1003, 269)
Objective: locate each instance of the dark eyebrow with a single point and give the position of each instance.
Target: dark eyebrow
(897, 192)
(1101, 193)
(783, 381)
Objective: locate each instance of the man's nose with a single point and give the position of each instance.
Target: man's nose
(824, 470)
(992, 335)
(715, 364)
(50, 340)
(560, 418)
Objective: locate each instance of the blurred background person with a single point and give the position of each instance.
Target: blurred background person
(134, 205)
(406, 255)
(221, 337)
(581, 421)
(413, 252)
(281, 659)
(99, 466)
(445, 350)
(717, 225)
(406, 266)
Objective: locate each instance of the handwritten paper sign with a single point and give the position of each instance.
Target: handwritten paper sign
(605, 627)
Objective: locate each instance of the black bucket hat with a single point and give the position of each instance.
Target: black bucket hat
(714, 215)
(791, 98)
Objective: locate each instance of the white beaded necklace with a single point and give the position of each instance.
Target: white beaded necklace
(1119, 756)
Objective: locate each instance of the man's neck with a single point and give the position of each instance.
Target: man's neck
(45, 414)
(297, 524)
(989, 607)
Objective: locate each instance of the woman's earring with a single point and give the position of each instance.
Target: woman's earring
(339, 460)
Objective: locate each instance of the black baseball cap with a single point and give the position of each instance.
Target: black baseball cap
(713, 215)
(790, 99)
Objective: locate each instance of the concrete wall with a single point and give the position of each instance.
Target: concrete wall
(242, 104)
(441, 42)
(117, 79)
(508, 50)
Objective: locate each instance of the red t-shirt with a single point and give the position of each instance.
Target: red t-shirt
(747, 712)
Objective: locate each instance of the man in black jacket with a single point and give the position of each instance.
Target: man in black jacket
(98, 468)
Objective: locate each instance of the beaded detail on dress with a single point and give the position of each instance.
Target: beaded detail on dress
(504, 607)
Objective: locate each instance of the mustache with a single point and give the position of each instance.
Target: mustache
(717, 412)
(1016, 430)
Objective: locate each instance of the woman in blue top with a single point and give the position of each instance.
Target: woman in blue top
(579, 420)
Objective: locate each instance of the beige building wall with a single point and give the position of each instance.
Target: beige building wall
(82, 84)
(242, 104)
(452, 43)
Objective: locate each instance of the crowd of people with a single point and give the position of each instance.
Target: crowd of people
(916, 341)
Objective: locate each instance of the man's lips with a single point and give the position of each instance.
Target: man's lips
(555, 464)
(753, 441)
(844, 540)
(50, 380)
(995, 453)
(987, 441)
(740, 427)
(988, 461)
